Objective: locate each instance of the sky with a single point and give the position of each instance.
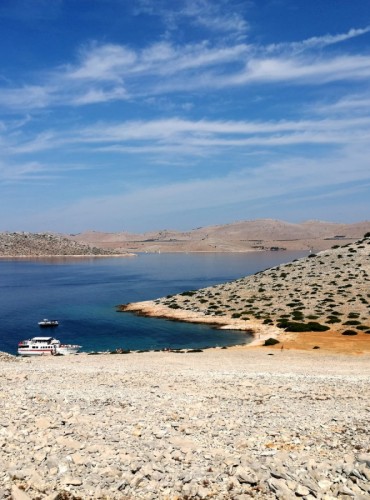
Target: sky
(139, 115)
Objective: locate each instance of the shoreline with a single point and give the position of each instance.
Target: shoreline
(330, 341)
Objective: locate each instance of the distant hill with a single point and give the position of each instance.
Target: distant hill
(45, 244)
(244, 236)
(330, 290)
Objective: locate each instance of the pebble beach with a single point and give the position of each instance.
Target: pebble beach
(239, 423)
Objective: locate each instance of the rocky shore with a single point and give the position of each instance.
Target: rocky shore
(327, 292)
(223, 424)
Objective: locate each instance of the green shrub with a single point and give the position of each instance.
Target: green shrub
(190, 293)
(271, 341)
(317, 327)
(333, 319)
(353, 315)
(311, 326)
(349, 332)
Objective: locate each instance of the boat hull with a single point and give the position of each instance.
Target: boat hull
(35, 352)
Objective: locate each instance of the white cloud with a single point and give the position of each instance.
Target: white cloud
(318, 41)
(108, 72)
(167, 138)
(225, 18)
(216, 17)
(288, 178)
(359, 104)
(27, 97)
(102, 62)
(22, 172)
(92, 96)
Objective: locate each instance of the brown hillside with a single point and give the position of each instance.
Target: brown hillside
(243, 236)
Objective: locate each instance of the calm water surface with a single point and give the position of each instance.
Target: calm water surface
(82, 295)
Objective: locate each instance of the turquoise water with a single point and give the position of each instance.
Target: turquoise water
(82, 295)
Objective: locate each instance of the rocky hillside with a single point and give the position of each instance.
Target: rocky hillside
(244, 236)
(330, 290)
(44, 244)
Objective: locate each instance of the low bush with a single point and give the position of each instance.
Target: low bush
(311, 326)
(349, 332)
(271, 341)
(333, 319)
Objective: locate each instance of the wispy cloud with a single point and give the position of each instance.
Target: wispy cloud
(318, 41)
(112, 72)
(225, 18)
(358, 104)
(176, 136)
(216, 17)
(273, 180)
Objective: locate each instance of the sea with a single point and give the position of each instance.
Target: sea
(82, 294)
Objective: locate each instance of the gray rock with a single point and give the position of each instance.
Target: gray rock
(364, 458)
(245, 475)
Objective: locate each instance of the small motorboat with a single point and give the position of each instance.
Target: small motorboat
(38, 346)
(47, 323)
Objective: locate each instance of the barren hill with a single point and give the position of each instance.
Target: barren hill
(244, 236)
(330, 290)
(44, 244)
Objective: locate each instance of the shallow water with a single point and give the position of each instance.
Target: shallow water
(82, 295)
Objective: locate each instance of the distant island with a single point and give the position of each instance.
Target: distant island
(26, 245)
(243, 236)
(328, 292)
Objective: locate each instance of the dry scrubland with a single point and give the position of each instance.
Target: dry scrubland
(329, 291)
(244, 236)
(221, 424)
(45, 244)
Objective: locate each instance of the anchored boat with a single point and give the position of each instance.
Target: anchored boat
(38, 346)
(46, 323)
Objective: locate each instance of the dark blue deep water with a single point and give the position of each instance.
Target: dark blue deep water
(82, 295)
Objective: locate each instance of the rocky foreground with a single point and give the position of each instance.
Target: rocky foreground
(47, 245)
(222, 424)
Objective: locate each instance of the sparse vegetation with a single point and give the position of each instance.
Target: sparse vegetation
(299, 297)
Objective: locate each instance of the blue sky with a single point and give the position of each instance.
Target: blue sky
(133, 115)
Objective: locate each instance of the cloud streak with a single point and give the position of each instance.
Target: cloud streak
(112, 72)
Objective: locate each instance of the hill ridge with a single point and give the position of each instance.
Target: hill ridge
(240, 236)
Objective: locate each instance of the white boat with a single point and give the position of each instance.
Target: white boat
(48, 323)
(38, 346)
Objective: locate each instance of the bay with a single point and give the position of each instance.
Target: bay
(82, 294)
